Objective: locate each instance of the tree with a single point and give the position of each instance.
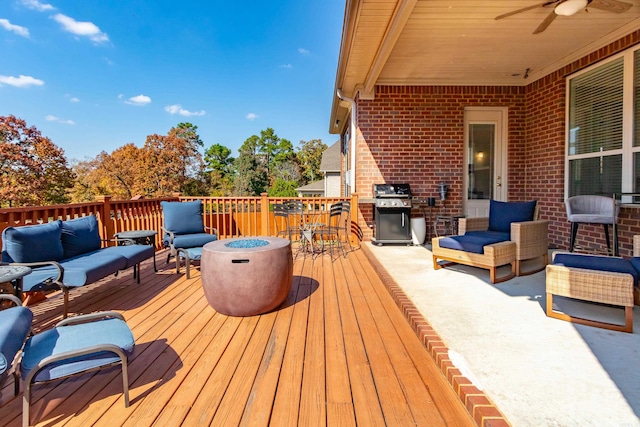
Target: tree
(251, 176)
(33, 170)
(169, 163)
(219, 170)
(273, 150)
(310, 156)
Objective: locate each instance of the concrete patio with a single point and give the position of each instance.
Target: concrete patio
(537, 370)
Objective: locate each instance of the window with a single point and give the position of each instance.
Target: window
(603, 122)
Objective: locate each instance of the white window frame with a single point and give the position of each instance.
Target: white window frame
(627, 149)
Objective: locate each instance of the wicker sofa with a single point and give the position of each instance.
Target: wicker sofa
(595, 278)
(500, 239)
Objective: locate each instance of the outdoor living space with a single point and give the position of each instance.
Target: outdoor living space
(539, 371)
(339, 351)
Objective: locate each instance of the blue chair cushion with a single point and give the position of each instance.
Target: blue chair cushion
(499, 235)
(15, 325)
(80, 235)
(502, 214)
(72, 338)
(194, 254)
(33, 243)
(591, 262)
(193, 240)
(79, 270)
(183, 217)
(469, 243)
(134, 254)
(635, 263)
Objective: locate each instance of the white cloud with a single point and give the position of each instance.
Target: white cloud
(74, 99)
(286, 66)
(36, 5)
(51, 118)
(252, 116)
(138, 100)
(177, 109)
(303, 51)
(21, 31)
(21, 81)
(84, 29)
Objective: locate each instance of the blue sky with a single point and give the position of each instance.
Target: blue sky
(93, 75)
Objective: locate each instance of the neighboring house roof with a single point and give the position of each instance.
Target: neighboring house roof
(460, 42)
(314, 187)
(331, 158)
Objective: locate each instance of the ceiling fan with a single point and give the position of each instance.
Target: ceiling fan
(571, 7)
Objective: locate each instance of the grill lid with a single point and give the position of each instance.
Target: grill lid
(391, 190)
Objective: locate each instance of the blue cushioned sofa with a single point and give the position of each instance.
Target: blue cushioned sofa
(68, 254)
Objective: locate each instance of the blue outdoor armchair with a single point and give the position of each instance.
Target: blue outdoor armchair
(184, 232)
(76, 345)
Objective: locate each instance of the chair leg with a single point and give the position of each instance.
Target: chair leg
(606, 238)
(574, 232)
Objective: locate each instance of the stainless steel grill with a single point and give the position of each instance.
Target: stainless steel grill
(392, 213)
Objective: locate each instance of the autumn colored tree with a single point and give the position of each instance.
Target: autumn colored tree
(33, 170)
(169, 163)
(116, 174)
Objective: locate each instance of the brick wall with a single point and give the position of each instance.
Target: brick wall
(415, 134)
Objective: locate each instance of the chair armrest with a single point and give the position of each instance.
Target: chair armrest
(636, 245)
(91, 317)
(14, 299)
(58, 279)
(531, 238)
(215, 230)
(171, 234)
(472, 224)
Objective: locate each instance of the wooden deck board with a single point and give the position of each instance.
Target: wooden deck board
(338, 352)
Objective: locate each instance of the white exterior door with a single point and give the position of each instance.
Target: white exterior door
(485, 159)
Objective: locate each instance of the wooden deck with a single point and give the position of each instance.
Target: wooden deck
(338, 353)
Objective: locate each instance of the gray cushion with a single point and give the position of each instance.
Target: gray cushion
(592, 209)
(32, 243)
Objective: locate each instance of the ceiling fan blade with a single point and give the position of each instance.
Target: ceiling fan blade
(547, 21)
(614, 6)
(524, 9)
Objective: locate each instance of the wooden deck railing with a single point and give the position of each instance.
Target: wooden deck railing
(231, 216)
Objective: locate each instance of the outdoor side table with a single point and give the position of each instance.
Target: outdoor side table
(139, 237)
(13, 274)
(449, 223)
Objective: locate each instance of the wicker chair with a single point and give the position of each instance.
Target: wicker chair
(605, 287)
(525, 240)
(531, 239)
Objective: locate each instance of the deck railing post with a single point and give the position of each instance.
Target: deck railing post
(108, 226)
(264, 214)
(354, 212)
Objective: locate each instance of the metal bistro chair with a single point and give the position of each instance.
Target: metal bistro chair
(337, 229)
(593, 210)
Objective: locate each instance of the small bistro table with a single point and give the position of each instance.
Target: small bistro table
(13, 274)
(138, 237)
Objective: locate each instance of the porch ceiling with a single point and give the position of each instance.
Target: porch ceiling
(459, 42)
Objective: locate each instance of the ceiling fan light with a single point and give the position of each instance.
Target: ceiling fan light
(570, 7)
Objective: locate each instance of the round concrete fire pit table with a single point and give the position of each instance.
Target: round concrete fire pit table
(246, 276)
